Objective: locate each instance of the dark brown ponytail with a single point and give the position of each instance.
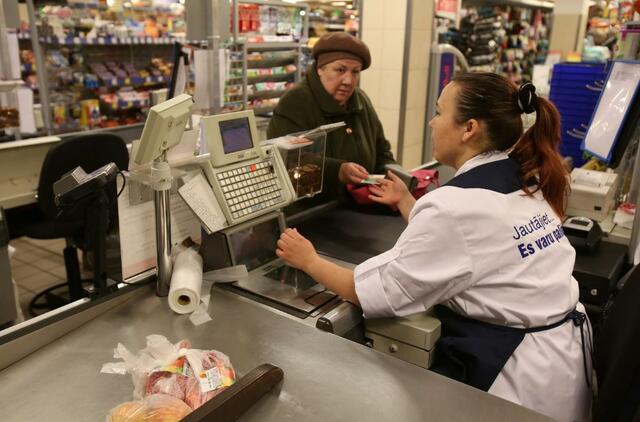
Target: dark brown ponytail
(496, 101)
(538, 155)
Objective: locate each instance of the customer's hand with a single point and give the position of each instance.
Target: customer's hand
(352, 173)
(389, 191)
(296, 250)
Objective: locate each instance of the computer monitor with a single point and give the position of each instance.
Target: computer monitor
(163, 128)
(231, 137)
(615, 118)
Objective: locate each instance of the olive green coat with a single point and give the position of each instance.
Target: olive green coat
(308, 105)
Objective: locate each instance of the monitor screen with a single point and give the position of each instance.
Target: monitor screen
(614, 119)
(236, 135)
(255, 245)
(163, 128)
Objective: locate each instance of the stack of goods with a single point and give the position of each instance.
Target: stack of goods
(126, 98)
(9, 118)
(505, 40)
(263, 106)
(170, 380)
(575, 92)
(27, 68)
(248, 18)
(277, 70)
(261, 87)
(526, 42)
(481, 36)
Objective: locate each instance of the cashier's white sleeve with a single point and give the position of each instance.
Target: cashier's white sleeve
(429, 264)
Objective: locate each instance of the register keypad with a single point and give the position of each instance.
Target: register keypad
(250, 188)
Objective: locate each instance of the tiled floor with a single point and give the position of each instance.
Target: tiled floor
(36, 265)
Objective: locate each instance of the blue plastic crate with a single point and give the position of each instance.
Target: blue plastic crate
(579, 68)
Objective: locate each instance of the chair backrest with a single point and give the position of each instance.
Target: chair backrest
(617, 356)
(90, 151)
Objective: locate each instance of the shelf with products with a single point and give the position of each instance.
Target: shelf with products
(9, 115)
(264, 60)
(264, 21)
(102, 61)
(504, 39)
(335, 16)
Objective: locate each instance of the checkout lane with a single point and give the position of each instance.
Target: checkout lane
(327, 378)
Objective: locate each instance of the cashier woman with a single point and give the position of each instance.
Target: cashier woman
(328, 94)
(487, 250)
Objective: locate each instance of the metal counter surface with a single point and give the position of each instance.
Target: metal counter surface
(326, 378)
(351, 235)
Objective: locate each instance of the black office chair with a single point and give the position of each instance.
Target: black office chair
(90, 151)
(617, 352)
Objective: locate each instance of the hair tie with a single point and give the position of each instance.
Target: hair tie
(527, 98)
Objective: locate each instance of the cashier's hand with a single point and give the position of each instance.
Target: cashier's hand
(389, 191)
(295, 249)
(352, 173)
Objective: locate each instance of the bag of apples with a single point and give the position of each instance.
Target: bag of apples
(170, 380)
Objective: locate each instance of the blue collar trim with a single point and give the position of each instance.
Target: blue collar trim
(502, 176)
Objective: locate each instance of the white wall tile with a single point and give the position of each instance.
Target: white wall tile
(417, 89)
(390, 85)
(370, 83)
(372, 15)
(395, 14)
(389, 119)
(421, 12)
(414, 127)
(373, 39)
(419, 50)
(392, 49)
(412, 156)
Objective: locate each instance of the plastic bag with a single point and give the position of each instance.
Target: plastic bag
(191, 376)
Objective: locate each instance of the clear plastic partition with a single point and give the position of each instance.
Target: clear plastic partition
(303, 157)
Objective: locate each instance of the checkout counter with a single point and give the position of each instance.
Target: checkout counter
(326, 377)
(51, 366)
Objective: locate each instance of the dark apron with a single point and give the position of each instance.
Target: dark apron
(474, 352)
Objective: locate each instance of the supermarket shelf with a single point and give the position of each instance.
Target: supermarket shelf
(264, 46)
(27, 68)
(263, 63)
(263, 95)
(106, 41)
(265, 78)
(542, 4)
(134, 81)
(126, 105)
(6, 86)
(261, 111)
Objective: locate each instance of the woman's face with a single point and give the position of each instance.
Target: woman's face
(340, 78)
(446, 133)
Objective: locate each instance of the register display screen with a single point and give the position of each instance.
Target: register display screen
(255, 246)
(236, 135)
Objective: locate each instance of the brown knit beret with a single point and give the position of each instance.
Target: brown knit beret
(341, 45)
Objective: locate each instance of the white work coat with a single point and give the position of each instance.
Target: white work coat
(496, 257)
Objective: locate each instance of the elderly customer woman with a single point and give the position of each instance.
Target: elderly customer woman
(329, 93)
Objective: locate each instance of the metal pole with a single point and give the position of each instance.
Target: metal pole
(5, 62)
(235, 21)
(43, 88)
(214, 74)
(162, 203)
